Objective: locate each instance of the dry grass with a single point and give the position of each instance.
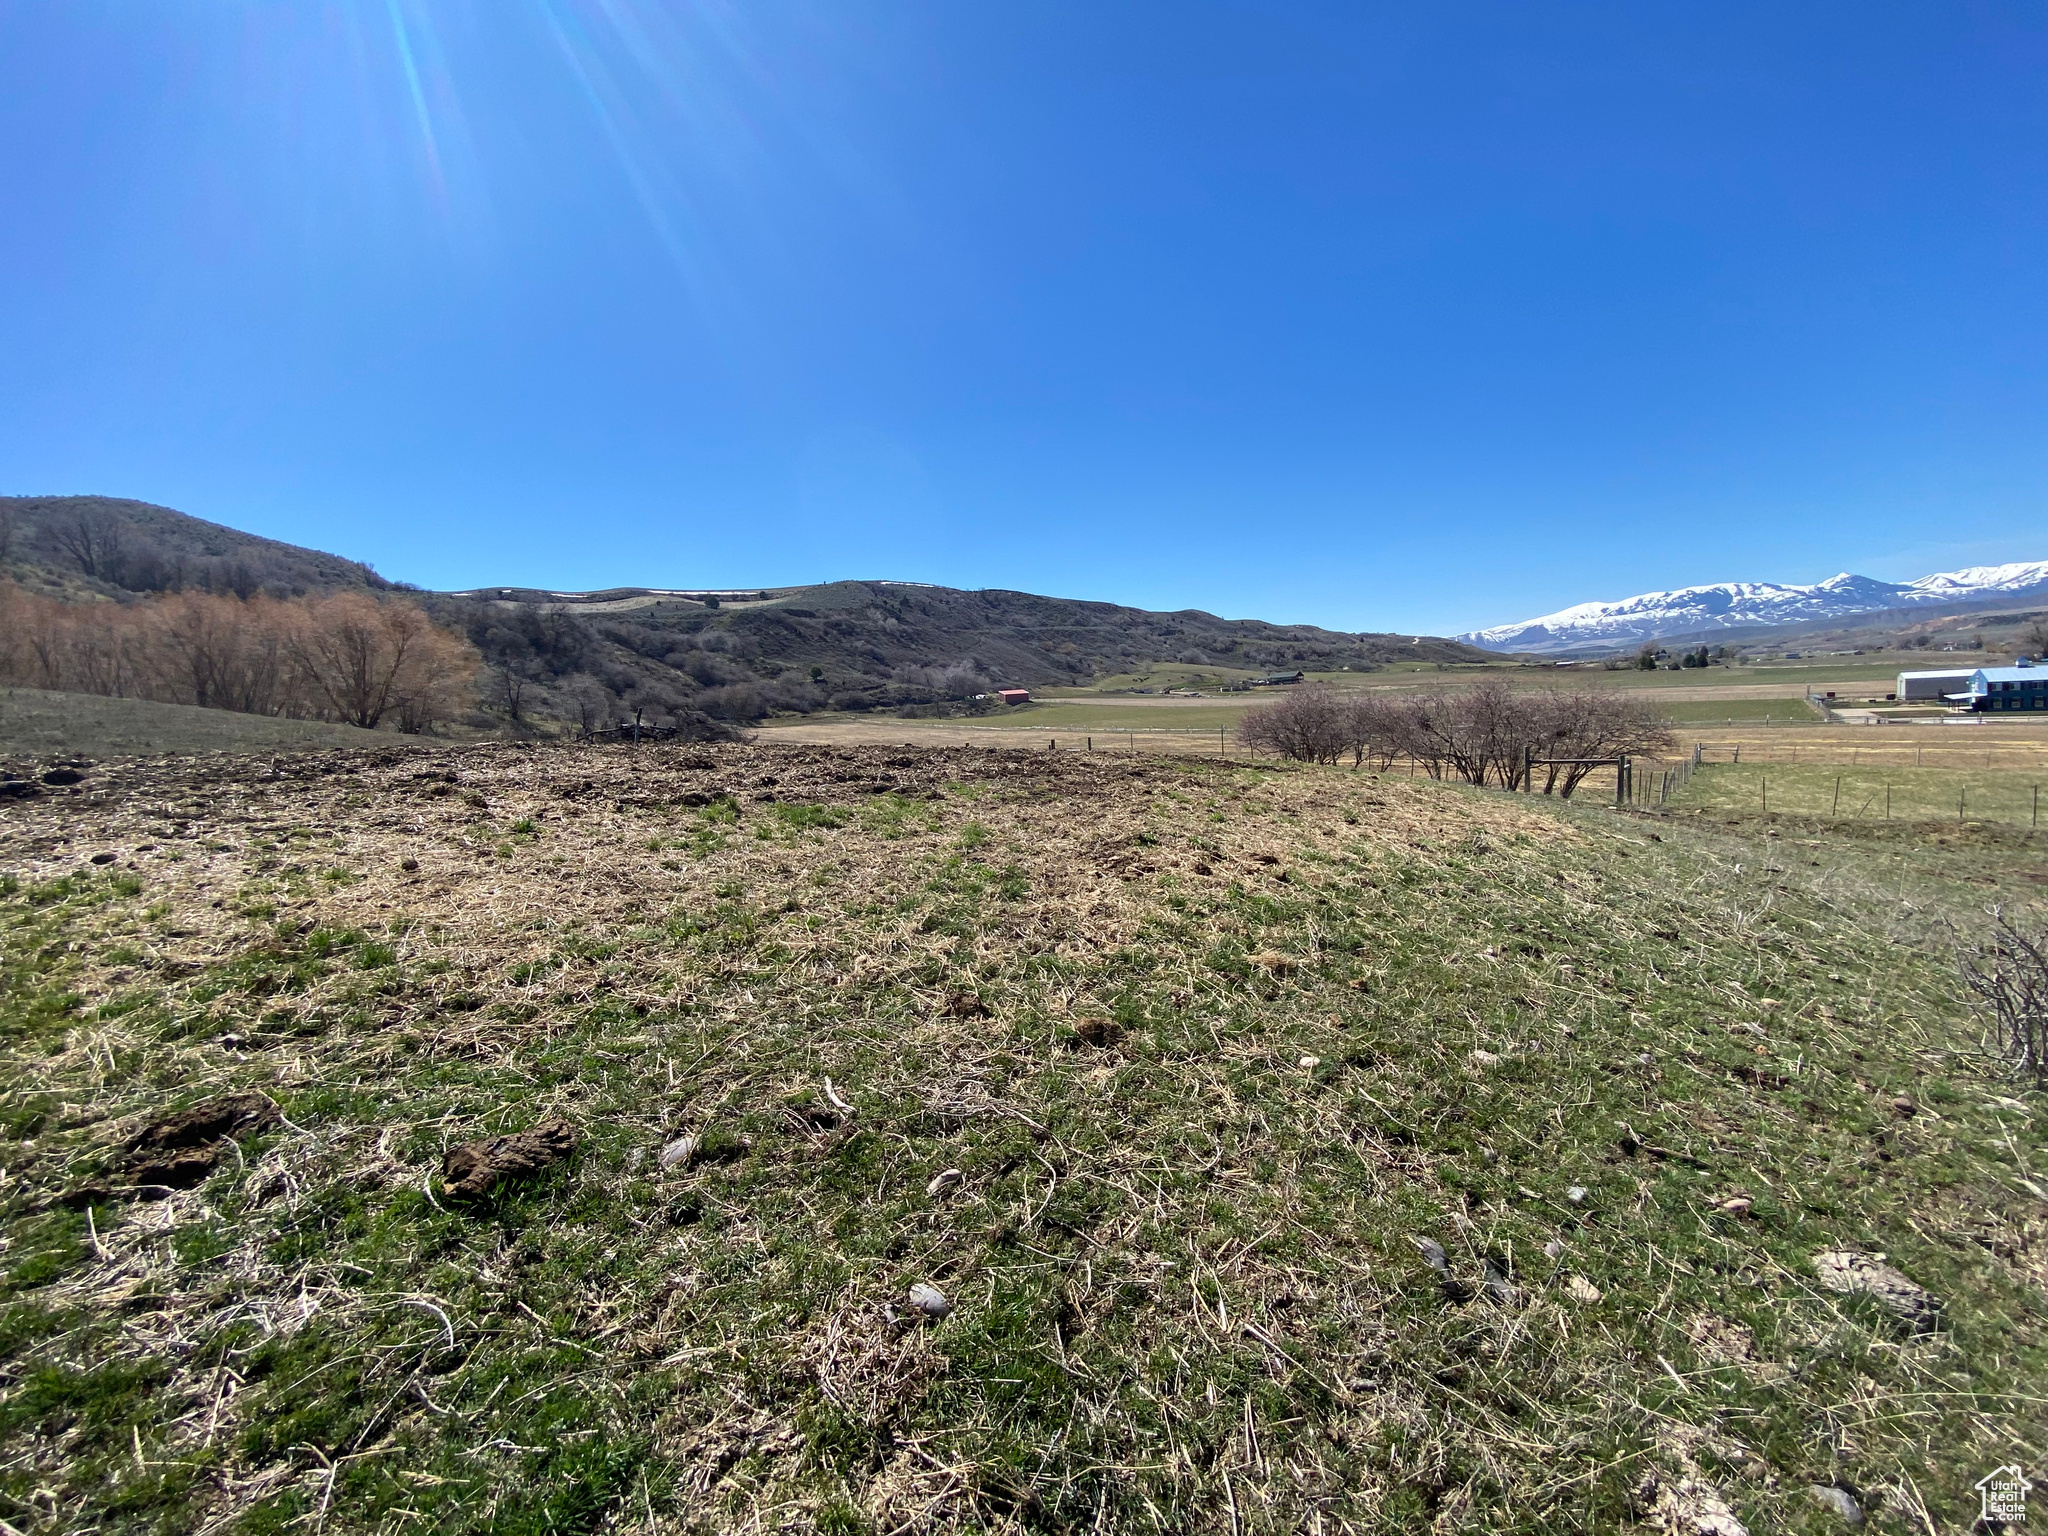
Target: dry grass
(1208, 1046)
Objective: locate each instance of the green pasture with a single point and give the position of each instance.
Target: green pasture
(40, 723)
(2007, 796)
(1107, 715)
(1701, 712)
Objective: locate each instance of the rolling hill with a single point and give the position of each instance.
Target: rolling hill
(736, 654)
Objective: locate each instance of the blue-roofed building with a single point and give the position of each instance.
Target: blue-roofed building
(1997, 690)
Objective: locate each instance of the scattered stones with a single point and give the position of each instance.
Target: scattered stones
(1576, 1194)
(478, 1166)
(1905, 1107)
(1500, 1284)
(1432, 1253)
(679, 1152)
(1688, 1505)
(929, 1301)
(1581, 1290)
(966, 1005)
(943, 1181)
(104, 858)
(1836, 1501)
(409, 865)
(1310, 1063)
(59, 777)
(1554, 1249)
(1737, 1205)
(180, 1150)
(1485, 1059)
(1865, 1274)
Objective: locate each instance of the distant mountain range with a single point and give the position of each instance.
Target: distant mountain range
(1746, 605)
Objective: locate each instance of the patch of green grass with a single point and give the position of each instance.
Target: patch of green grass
(807, 818)
(1829, 793)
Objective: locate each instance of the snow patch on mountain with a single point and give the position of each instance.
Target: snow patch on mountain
(1752, 604)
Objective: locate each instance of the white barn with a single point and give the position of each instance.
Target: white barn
(1934, 685)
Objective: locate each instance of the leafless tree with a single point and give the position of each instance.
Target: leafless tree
(510, 685)
(366, 658)
(91, 539)
(594, 703)
(1311, 725)
(2009, 975)
(1482, 734)
(1592, 724)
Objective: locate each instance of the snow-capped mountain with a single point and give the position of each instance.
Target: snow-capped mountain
(1753, 604)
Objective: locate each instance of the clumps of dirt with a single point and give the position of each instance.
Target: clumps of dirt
(179, 1150)
(1862, 1274)
(1688, 1506)
(1678, 1497)
(476, 1167)
(1719, 1341)
(1095, 1030)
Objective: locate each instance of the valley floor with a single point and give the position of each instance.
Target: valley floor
(1293, 1149)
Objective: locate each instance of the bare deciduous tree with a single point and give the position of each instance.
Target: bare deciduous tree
(1311, 725)
(91, 539)
(351, 658)
(1486, 733)
(2009, 976)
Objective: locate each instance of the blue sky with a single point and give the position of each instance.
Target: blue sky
(1389, 317)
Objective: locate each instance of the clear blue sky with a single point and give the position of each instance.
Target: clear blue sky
(1406, 317)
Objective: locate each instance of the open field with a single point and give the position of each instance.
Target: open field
(1695, 714)
(1956, 743)
(1145, 735)
(36, 723)
(1831, 792)
(1297, 1149)
(1694, 699)
(1859, 675)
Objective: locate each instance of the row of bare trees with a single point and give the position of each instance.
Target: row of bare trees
(1485, 733)
(352, 658)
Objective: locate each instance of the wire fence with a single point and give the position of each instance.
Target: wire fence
(1925, 781)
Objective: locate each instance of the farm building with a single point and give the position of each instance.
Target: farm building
(1932, 685)
(1014, 695)
(1279, 679)
(2021, 686)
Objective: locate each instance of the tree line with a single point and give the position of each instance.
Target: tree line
(1485, 733)
(350, 658)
